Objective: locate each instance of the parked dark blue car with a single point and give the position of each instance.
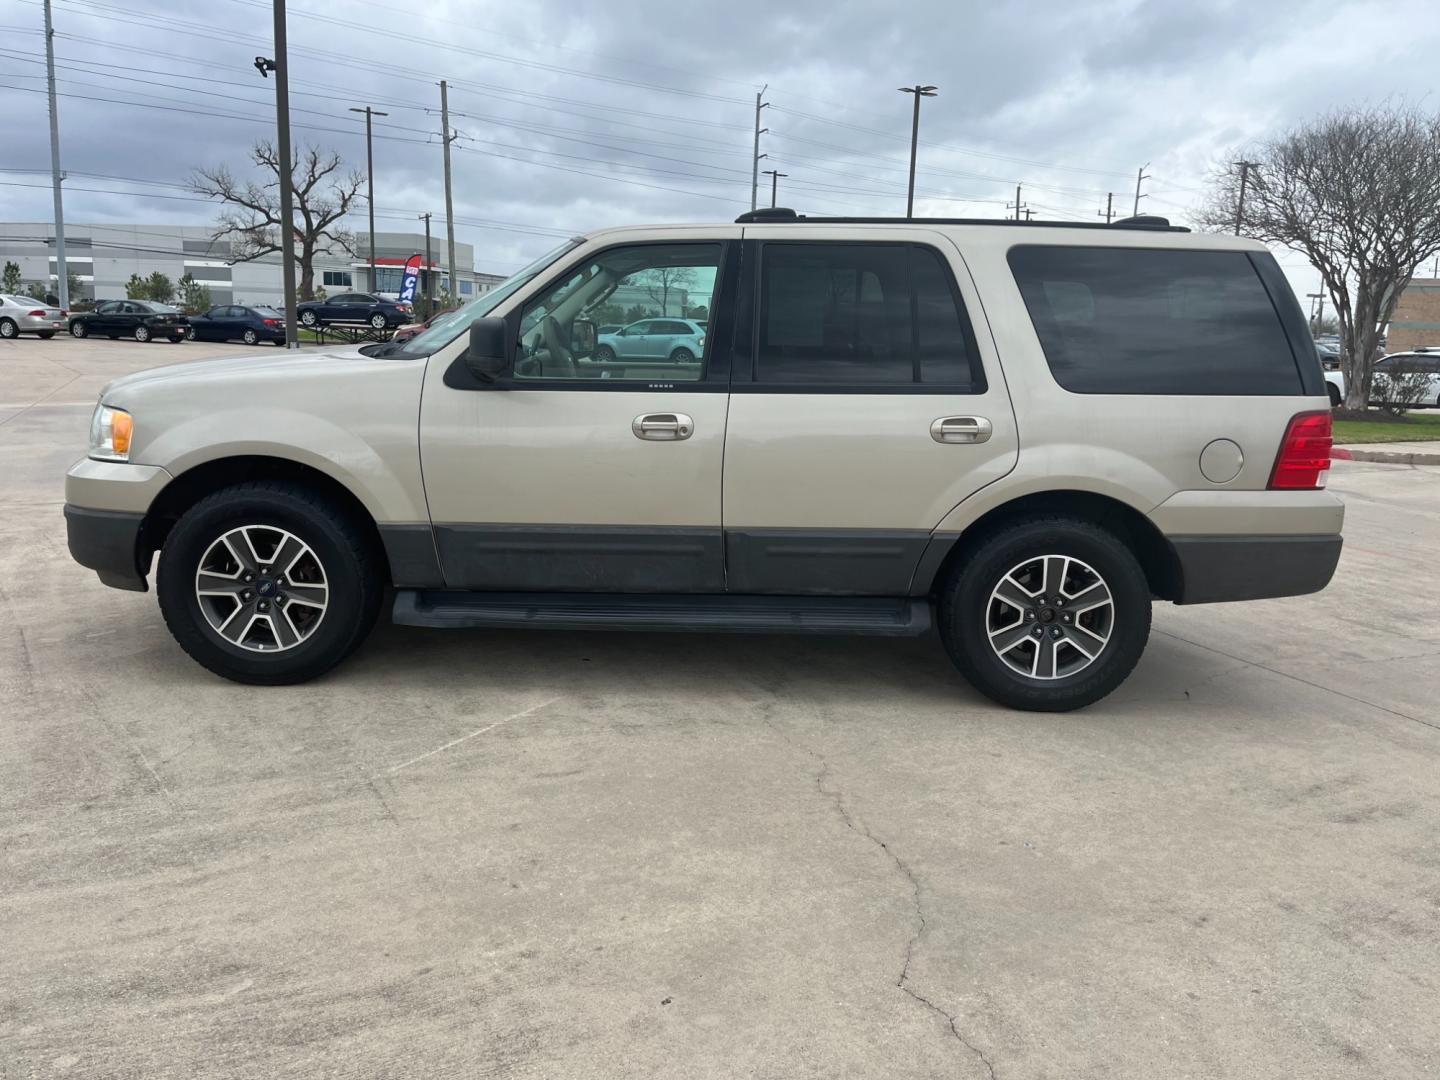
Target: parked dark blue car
(374, 311)
(236, 322)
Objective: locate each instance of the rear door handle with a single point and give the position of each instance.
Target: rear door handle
(662, 427)
(961, 429)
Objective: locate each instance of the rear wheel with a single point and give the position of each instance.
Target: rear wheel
(1334, 393)
(8, 329)
(142, 333)
(1047, 614)
(268, 583)
(377, 321)
(682, 356)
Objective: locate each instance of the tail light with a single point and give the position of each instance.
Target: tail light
(1303, 462)
(272, 322)
(38, 313)
(404, 307)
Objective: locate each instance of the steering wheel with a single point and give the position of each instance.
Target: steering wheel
(556, 347)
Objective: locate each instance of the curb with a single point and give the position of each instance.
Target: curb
(1384, 457)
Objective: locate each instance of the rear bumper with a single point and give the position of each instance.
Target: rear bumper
(1218, 568)
(108, 542)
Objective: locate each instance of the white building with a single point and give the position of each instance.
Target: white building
(103, 258)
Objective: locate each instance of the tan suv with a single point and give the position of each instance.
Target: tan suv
(1021, 432)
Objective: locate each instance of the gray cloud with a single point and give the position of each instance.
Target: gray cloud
(575, 117)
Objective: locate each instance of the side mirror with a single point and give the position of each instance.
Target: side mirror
(582, 337)
(488, 356)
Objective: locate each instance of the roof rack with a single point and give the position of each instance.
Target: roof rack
(779, 215)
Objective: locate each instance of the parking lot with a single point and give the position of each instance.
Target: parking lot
(559, 854)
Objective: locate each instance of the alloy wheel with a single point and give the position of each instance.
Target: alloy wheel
(1050, 617)
(262, 588)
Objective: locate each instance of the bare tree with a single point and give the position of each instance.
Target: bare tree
(250, 219)
(1358, 193)
(661, 281)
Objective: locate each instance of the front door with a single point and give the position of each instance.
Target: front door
(864, 407)
(582, 474)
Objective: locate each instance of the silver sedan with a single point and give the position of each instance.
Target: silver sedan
(26, 315)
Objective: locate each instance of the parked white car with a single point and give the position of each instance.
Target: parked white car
(1423, 361)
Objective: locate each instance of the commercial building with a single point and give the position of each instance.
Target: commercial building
(104, 257)
(1416, 320)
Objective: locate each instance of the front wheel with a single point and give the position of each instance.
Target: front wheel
(142, 333)
(605, 354)
(1048, 614)
(8, 329)
(250, 337)
(78, 330)
(268, 583)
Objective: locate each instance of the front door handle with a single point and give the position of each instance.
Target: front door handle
(961, 429)
(662, 427)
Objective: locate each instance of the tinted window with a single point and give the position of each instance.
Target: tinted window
(1131, 321)
(861, 314)
(216, 313)
(110, 307)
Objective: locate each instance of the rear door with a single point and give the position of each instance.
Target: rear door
(866, 402)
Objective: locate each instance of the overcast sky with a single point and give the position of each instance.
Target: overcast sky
(575, 116)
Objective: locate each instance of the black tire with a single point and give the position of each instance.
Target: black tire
(142, 333)
(965, 607)
(78, 329)
(378, 321)
(113, 337)
(309, 318)
(605, 354)
(45, 335)
(1334, 393)
(682, 355)
(8, 329)
(352, 570)
(176, 339)
(189, 333)
(250, 337)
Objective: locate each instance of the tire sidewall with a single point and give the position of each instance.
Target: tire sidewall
(250, 337)
(966, 602)
(308, 318)
(8, 329)
(205, 523)
(377, 321)
(142, 333)
(682, 356)
(78, 330)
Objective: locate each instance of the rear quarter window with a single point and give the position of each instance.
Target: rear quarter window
(1145, 321)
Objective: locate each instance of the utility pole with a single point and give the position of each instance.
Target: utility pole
(919, 92)
(1109, 212)
(755, 161)
(774, 183)
(370, 190)
(62, 272)
(1317, 311)
(449, 201)
(1019, 206)
(1140, 176)
(1245, 167)
(1029, 214)
(280, 65)
(429, 277)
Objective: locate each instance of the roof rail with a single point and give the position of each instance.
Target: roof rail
(779, 215)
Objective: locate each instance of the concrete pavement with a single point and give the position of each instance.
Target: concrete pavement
(586, 855)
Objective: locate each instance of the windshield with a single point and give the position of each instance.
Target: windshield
(160, 309)
(445, 330)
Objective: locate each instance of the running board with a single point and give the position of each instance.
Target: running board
(899, 617)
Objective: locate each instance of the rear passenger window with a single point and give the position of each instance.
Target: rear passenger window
(862, 315)
(1133, 321)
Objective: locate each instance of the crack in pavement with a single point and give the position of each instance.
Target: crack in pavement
(902, 982)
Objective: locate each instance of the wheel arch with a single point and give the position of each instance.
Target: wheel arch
(189, 487)
(1152, 550)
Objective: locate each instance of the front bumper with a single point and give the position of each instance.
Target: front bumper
(108, 542)
(1218, 568)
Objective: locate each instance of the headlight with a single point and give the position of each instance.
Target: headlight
(110, 431)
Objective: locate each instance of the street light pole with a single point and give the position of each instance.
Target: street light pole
(429, 277)
(62, 270)
(919, 92)
(280, 66)
(370, 188)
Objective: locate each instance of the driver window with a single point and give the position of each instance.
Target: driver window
(623, 289)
